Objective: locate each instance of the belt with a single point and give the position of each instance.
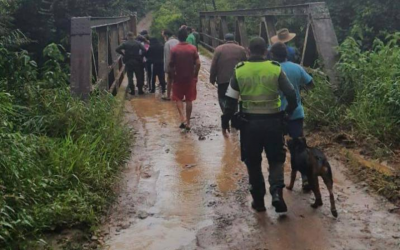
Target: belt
(263, 116)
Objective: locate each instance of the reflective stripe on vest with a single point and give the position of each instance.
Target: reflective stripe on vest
(259, 87)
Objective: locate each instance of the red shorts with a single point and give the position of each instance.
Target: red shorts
(187, 91)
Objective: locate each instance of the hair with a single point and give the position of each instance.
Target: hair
(229, 37)
(258, 46)
(182, 34)
(279, 52)
(189, 29)
(167, 33)
(144, 32)
(130, 36)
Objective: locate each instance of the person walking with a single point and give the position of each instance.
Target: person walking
(226, 57)
(170, 42)
(258, 84)
(133, 52)
(191, 39)
(184, 69)
(299, 78)
(284, 36)
(155, 56)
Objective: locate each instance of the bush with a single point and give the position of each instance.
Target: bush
(167, 17)
(59, 156)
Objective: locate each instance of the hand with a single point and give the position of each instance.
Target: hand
(226, 132)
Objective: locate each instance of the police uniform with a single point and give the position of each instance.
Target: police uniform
(133, 52)
(258, 83)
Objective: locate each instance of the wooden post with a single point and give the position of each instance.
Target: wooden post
(81, 57)
(114, 45)
(242, 31)
(305, 42)
(270, 25)
(121, 36)
(325, 38)
(237, 32)
(224, 28)
(213, 32)
(133, 25)
(205, 26)
(103, 57)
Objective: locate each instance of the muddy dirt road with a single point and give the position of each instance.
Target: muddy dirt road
(189, 191)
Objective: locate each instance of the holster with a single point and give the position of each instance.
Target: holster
(239, 119)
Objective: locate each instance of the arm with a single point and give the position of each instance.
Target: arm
(231, 102)
(166, 57)
(197, 64)
(171, 65)
(214, 69)
(120, 49)
(306, 80)
(287, 89)
(310, 85)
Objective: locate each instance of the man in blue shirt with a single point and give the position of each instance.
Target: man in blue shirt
(299, 79)
(284, 36)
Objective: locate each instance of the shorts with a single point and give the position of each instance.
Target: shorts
(187, 91)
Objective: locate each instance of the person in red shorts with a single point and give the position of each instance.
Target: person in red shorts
(184, 69)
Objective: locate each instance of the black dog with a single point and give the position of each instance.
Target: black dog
(313, 163)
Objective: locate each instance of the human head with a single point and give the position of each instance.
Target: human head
(279, 52)
(182, 34)
(130, 36)
(167, 33)
(258, 46)
(229, 37)
(189, 30)
(144, 32)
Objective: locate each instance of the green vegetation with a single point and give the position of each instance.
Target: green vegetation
(59, 156)
(368, 99)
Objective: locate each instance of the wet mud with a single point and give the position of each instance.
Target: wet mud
(189, 191)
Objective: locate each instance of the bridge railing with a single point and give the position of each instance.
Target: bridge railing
(320, 36)
(94, 62)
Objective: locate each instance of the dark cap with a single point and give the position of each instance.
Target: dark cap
(279, 51)
(258, 46)
(229, 37)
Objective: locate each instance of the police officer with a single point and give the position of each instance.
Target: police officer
(258, 83)
(133, 52)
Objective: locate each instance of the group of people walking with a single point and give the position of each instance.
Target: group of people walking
(261, 82)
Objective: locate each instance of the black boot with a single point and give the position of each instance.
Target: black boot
(278, 202)
(258, 203)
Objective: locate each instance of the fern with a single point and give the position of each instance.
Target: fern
(15, 39)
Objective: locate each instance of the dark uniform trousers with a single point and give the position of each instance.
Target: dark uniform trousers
(158, 71)
(135, 69)
(257, 135)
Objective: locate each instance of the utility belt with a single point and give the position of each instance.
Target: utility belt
(240, 119)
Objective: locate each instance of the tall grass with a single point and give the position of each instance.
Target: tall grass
(368, 99)
(59, 156)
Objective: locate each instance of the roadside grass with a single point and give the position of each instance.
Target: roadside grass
(59, 156)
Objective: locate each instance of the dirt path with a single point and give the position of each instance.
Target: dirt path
(189, 191)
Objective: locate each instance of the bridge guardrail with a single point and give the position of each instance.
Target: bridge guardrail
(94, 62)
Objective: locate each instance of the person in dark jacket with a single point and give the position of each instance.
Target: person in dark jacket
(155, 56)
(133, 52)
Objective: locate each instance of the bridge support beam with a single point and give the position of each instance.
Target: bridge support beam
(214, 42)
(241, 33)
(103, 58)
(223, 30)
(81, 57)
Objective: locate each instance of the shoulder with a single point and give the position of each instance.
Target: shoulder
(275, 63)
(239, 65)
